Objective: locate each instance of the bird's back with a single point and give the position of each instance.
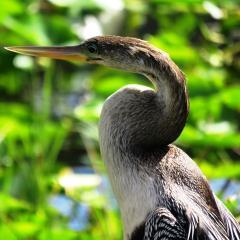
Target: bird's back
(186, 209)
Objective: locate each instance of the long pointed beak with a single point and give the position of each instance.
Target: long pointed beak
(71, 53)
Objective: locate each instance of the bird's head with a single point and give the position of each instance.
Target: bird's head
(118, 52)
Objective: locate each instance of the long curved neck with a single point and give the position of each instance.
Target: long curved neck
(171, 93)
(140, 118)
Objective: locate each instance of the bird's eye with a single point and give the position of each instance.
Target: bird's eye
(92, 48)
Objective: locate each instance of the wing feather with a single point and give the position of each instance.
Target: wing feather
(161, 224)
(232, 226)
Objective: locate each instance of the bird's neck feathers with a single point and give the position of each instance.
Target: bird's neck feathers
(141, 118)
(171, 92)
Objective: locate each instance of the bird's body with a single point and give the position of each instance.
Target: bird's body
(161, 192)
(159, 178)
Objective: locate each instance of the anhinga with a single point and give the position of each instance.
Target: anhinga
(161, 192)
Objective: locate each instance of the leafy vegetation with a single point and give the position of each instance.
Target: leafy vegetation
(49, 110)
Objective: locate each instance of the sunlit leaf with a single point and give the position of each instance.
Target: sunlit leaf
(30, 28)
(222, 170)
(89, 111)
(230, 97)
(11, 204)
(10, 8)
(198, 138)
(25, 229)
(204, 80)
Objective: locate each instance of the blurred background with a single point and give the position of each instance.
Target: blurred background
(53, 183)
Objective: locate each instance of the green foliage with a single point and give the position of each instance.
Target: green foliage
(49, 111)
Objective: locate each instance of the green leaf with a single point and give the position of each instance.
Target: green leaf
(230, 97)
(9, 203)
(224, 169)
(196, 138)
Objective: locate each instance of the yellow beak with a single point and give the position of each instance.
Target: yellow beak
(71, 53)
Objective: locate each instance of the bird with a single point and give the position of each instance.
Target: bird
(161, 192)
